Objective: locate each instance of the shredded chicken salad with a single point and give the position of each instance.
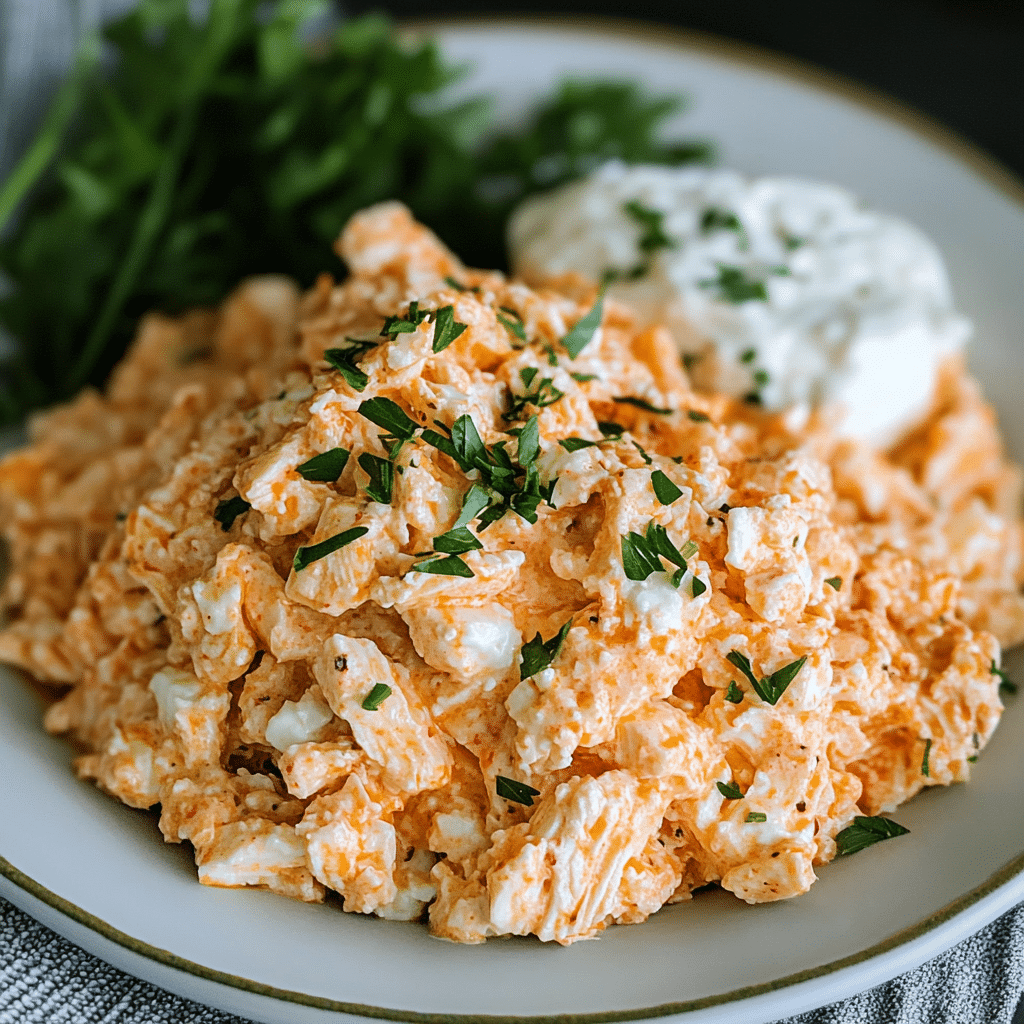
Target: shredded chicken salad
(452, 596)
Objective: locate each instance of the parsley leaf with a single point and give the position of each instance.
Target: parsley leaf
(306, 555)
(583, 378)
(697, 587)
(404, 324)
(664, 488)
(1006, 684)
(772, 687)
(835, 582)
(697, 416)
(474, 502)
(389, 415)
(382, 477)
(544, 394)
(756, 816)
(373, 700)
(228, 510)
(538, 654)
(611, 430)
(574, 444)
(734, 695)
(512, 322)
(457, 541)
(729, 790)
(639, 403)
(450, 565)
(520, 792)
(925, 770)
(866, 832)
(446, 328)
(641, 555)
(582, 333)
(326, 467)
(343, 360)
(734, 286)
(653, 223)
(714, 218)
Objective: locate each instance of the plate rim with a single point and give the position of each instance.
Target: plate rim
(809, 75)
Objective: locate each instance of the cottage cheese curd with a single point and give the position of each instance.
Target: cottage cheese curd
(791, 291)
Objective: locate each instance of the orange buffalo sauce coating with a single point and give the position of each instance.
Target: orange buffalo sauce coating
(153, 534)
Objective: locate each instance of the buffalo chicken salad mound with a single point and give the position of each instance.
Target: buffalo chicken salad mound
(452, 596)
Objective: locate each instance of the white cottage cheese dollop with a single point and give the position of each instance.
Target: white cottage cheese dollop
(787, 289)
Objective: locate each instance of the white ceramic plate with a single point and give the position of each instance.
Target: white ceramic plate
(98, 872)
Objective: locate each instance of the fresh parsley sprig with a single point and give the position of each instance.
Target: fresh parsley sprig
(541, 395)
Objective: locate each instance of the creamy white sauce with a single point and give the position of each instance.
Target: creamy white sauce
(858, 312)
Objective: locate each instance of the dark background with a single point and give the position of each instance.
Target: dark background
(960, 61)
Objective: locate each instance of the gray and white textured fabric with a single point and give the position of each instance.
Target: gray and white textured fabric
(44, 979)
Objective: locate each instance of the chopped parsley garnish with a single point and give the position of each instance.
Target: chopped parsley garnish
(664, 488)
(583, 378)
(835, 582)
(449, 565)
(653, 236)
(457, 541)
(1006, 684)
(697, 587)
(748, 355)
(458, 286)
(343, 360)
(520, 792)
(641, 555)
(729, 790)
(697, 416)
(866, 832)
(582, 333)
(404, 324)
(756, 816)
(326, 467)
(734, 286)
(538, 654)
(388, 415)
(512, 322)
(714, 218)
(574, 444)
(925, 771)
(762, 378)
(643, 454)
(307, 555)
(792, 242)
(690, 549)
(506, 485)
(373, 700)
(446, 328)
(610, 429)
(639, 403)
(382, 477)
(544, 394)
(228, 510)
(734, 695)
(772, 687)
